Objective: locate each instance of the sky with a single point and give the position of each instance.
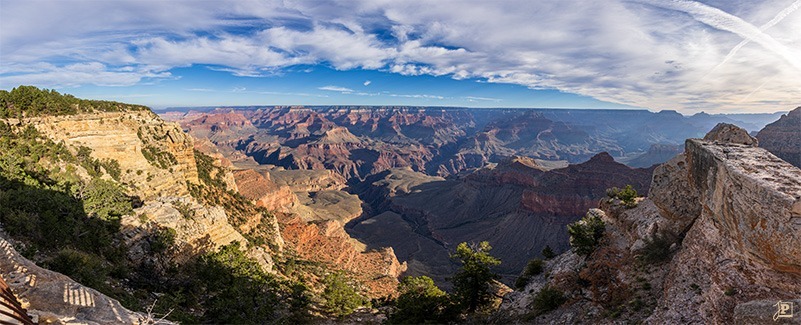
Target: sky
(716, 56)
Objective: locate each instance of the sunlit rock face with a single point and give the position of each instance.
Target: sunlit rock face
(734, 211)
(126, 137)
(52, 297)
(746, 240)
(783, 137)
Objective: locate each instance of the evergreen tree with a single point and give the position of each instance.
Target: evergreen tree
(420, 301)
(340, 297)
(472, 283)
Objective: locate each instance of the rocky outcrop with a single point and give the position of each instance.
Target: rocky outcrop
(731, 211)
(263, 191)
(198, 229)
(744, 246)
(308, 180)
(730, 133)
(52, 297)
(783, 137)
(128, 137)
(327, 242)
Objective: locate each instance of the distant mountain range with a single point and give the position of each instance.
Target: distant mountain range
(358, 141)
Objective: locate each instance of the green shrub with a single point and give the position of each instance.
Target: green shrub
(340, 297)
(534, 267)
(106, 200)
(237, 290)
(546, 300)
(548, 253)
(88, 269)
(162, 240)
(184, 208)
(112, 167)
(205, 169)
(92, 166)
(586, 233)
(656, 249)
(627, 195)
(420, 301)
(158, 158)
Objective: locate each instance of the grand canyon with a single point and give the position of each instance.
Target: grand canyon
(400, 162)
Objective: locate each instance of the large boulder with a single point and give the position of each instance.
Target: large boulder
(724, 132)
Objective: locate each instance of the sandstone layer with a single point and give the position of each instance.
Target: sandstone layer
(125, 137)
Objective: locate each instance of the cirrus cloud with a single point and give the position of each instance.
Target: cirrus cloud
(660, 54)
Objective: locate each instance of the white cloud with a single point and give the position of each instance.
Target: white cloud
(661, 54)
(336, 88)
(426, 96)
(489, 99)
(367, 83)
(77, 74)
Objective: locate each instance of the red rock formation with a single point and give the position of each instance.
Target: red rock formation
(263, 191)
(783, 137)
(328, 243)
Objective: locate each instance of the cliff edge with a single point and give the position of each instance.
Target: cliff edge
(718, 240)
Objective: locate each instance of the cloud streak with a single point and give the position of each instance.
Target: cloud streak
(658, 54)
(336, 88)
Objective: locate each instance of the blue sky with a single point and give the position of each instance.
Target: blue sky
(200, 85)
(715, 56)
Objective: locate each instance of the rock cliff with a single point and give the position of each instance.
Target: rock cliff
(783, 137)
(155, 157)
(732, 212)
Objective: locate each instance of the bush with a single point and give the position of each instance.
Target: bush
(184, 208)
(158, 158)
(534, 267)
(88, 269)
(205, 169)
(235, 288)
(546, 300)
(548, 253)
(627, 195)
(586, 233)
(656, 250)
(106, 200)
(162, 240)
(112, 167)
(340, 297)
(421, 301)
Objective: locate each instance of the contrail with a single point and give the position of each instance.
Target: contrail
(784, 13)
(722, 20)
(755, 90)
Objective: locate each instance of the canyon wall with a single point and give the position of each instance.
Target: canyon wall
(731, 214)
(783, 137)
